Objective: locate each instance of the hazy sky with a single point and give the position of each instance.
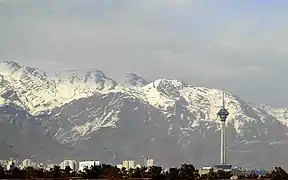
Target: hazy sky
(236, 45)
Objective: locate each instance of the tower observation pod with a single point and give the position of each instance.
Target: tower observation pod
(223, 114)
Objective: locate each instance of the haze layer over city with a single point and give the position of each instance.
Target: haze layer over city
(112, 81)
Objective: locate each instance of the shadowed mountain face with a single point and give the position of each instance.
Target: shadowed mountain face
(131, 129)
(20, 137)
(98, 118)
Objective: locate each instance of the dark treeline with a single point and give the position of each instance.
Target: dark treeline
(186, 171)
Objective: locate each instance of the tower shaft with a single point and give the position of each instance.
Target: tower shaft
(223, 143)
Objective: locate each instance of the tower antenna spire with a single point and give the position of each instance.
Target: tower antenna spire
(223, 99)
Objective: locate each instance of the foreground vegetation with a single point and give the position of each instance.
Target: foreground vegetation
(111, 172)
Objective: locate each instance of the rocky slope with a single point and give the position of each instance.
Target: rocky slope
(21, 137)
(169, 120)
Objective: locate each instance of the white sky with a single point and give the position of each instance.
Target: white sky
(239, 45)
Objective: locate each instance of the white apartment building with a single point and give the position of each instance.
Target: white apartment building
(149, 162)
(87, 164)
(128, 164)
(119, 166)
(49, 166)
(28, 163)
(131, 164)
(70, 163)
(125, 164)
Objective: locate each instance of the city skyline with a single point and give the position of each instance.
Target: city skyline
(128, 169)
(73, 164)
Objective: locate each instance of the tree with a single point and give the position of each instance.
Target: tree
(211, 175)
(143, 171)
(40, 173)
(188, 171)
(185, 172)
(136, 173)
(252, 176)
(130, 172)
(56, 172)
(93, 173)
(124, 172)
(67, 171)
(111, 172)
(30, 172)
(2, 172)
(223, 174)
(173, 174)
(155, 172)
(279, 173)
(16, 173)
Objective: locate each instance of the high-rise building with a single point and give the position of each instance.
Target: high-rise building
(87, 164)
(28, 163)
(11, 164)
(131, 164)
(125, 164)
(70, 163)
(49, 166)
(149, 162)
(128, 164)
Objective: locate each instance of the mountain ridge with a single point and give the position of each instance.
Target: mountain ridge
(88, 109)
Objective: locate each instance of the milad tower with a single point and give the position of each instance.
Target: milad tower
(223, 114)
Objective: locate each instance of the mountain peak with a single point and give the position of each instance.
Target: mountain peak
(132, 80)
(9, 67)
(17, 71)
(81, 74)
(11, 64)
(168, 83)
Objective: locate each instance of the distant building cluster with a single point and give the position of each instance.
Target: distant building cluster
(87, 164)
(72, 164)
(130, 164)
(12, 163)
(127, 164)
(68, 163)
(238, 171)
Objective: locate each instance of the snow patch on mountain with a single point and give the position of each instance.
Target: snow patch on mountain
(280, 114)
(155, 98)
(2, 101)
(72, 85)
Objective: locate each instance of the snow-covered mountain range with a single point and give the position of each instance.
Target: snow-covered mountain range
(131, 117)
